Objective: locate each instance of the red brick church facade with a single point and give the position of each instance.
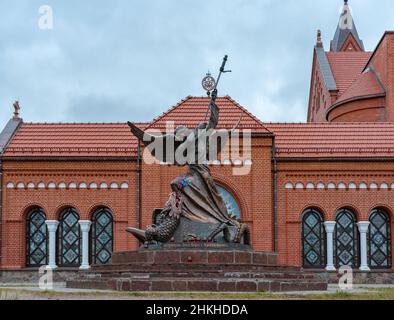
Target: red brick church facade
(320, 194)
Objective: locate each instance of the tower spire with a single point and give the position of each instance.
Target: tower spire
(346, 36)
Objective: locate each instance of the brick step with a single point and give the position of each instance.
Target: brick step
(195, 256)
(199, 285)
(192, 268)
(218, 274)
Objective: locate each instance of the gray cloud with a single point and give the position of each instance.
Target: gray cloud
(131, 60)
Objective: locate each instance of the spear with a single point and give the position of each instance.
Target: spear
(215, 90)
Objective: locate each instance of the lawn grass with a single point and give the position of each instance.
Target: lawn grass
(371, 294)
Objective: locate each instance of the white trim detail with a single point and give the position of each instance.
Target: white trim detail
(310, 186)
(363, 186)
(51, 185)
(72, 185)
(352, 186)
(103, 185)
(10, 185)
(384, 186)
(342, 186)
(41, 185)
(61, 185)
(20, 185)
(320, 186)
(83, 185)
(114, 185)
(30, 185)
(331, 186)
(124, 185)
(299, 185)
(373, 186)
(289, 185)
(93, 185)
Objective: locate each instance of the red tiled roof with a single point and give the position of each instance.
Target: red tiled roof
(192, 110)
(331, 140)
(73, 139)
(346, 67)
(366, 85)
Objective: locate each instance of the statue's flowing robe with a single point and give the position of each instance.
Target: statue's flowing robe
(201, 201)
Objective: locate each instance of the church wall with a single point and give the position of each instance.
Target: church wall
(367, 110)
(383, 63)
(320, 97)
(18, 200)
(292, 202)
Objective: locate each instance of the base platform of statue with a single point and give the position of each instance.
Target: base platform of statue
(197, 267)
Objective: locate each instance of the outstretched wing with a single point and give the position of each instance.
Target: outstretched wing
(162, 147)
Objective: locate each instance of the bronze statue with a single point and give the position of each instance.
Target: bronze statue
(195, 206)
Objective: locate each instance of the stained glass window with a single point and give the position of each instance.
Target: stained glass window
(231, 203)
(346, 246)
(69, 239)
(379, 236)
(102, 236)
(313, 240)
(37, 237)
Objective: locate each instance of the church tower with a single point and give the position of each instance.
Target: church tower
(346, 36)
(349, 84)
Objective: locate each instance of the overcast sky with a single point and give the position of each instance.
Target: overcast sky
(131, 60)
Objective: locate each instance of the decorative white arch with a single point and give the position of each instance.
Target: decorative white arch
(93, 185)
(51, 185)
(41, 185)
(342, 186)
(352, 186)
(299, 185)
(124, 185)
(31, 185)
(331, 185)
(20, 185)
(373, 186)
(310, 186)
(320, 186)
(363, 186)
(72, 185)
(61, 185)
(83, 185)
(10, 185)
(384, 186)
(289, 185)
(114, 185)
(103, 185)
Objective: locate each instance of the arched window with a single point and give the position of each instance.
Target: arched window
(313, 240)
(346, 246)
(379, 236)
(231, 203)
(36, 238)
(101, 236)
(69, 239)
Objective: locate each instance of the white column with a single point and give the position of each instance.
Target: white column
(363, 228)
(52, 227)
(330, 227)
(85, 227)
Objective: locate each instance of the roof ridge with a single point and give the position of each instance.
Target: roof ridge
(247, 112)
(168, 111)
